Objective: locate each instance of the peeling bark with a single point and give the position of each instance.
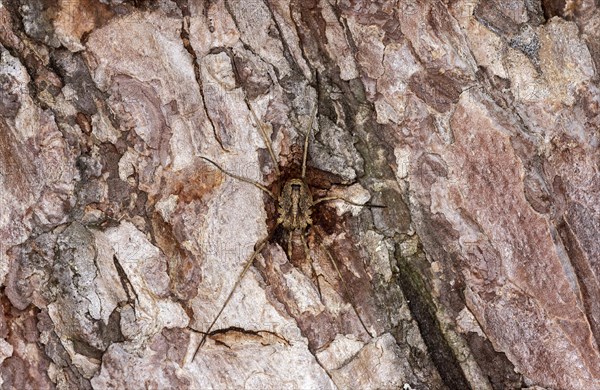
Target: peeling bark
(476, 124)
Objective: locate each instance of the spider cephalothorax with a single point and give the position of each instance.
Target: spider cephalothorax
(294, 205)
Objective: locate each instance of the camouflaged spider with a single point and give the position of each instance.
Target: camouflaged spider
(294, 208)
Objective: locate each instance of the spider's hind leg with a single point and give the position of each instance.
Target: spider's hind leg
(290, 244)
(290, 252)
(312, 266)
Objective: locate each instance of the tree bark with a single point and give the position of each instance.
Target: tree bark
(474, 123)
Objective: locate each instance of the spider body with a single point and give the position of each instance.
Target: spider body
(294, 206)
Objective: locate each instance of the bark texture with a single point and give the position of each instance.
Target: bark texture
(476, 123)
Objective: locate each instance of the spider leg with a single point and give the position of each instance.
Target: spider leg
(289, 244)
(329, 198)
(312, 266)
(261, 128)
(345, 286)
(245, 180)
(266, 139)
(258, 249)
(306, 138)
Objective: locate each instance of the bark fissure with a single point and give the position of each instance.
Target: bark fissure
(422, 308)
(185, 40)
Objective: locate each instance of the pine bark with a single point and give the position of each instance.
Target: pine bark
(474, 123)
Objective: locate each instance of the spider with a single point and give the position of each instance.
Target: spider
(294, 207)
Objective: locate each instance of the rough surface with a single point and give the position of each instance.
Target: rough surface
(476, 123)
